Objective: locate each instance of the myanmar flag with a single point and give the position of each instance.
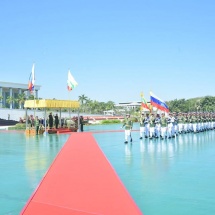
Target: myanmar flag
(143, 102)
(71, 83)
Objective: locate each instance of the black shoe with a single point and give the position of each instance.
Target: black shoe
(141, 138)
(131, 140)
(126, 142)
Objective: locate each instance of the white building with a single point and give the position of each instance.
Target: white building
(129, 105)
(8, 89)
(109, 112)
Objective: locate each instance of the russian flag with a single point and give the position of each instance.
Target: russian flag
(158, 103)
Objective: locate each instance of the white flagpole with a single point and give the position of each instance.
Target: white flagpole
(68, 94)
(71, 81)
(33, 81)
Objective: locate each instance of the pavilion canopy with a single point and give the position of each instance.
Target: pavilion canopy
(48, 103)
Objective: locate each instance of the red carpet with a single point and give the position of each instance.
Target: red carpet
(81, 181)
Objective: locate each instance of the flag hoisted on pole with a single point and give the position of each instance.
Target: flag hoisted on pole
(158, 103)
(31, 82)
(71, 83)
(144, 104)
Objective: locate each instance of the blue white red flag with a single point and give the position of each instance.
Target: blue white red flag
(31, 81)
(158, 103)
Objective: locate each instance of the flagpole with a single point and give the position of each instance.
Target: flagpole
(71, 84)
(34, 105)
(69, 97)
(45, 121)
(34, 91)
(69, 111)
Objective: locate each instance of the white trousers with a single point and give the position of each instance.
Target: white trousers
(127, 134)
(142, 130)
(164, 132)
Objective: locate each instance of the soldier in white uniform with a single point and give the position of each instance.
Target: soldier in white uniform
(157, 126)
(180, 123)
(151, 126)
(163, 122)
(169, 125)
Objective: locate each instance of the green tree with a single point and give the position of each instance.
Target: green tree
(207, 103)
(82, 99)
(10, 100)
(31, 97)
(110, 105)
(1, 97)
(89, 105)
(21, 100)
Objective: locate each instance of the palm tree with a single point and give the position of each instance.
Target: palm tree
(110, 105)
(21, 100)
(95, 106)
(1, 97)
(102, 107)
(10, 101)
(83, 100)
(88, 103)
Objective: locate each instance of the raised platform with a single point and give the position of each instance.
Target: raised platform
(81, 181)
(61, 130)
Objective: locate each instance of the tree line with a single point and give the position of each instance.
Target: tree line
(199, 104)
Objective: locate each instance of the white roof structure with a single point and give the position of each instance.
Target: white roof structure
(17, 85)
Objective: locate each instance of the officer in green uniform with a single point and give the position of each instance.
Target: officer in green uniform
(128, 124)
(37, 125)
(141, 121)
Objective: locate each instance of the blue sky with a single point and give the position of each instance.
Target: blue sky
(114, 49)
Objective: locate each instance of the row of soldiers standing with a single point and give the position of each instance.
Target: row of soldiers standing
(172, 124)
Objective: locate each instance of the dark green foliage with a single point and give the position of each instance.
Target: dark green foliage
(200, 104)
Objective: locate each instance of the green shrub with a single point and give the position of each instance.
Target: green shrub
(110, 121)
(18, 126)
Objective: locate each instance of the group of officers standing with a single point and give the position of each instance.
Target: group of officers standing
(169, 125)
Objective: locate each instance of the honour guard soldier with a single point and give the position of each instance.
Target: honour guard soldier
(128, 124)
(142, 128)
(146, 125)
(163, 122)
